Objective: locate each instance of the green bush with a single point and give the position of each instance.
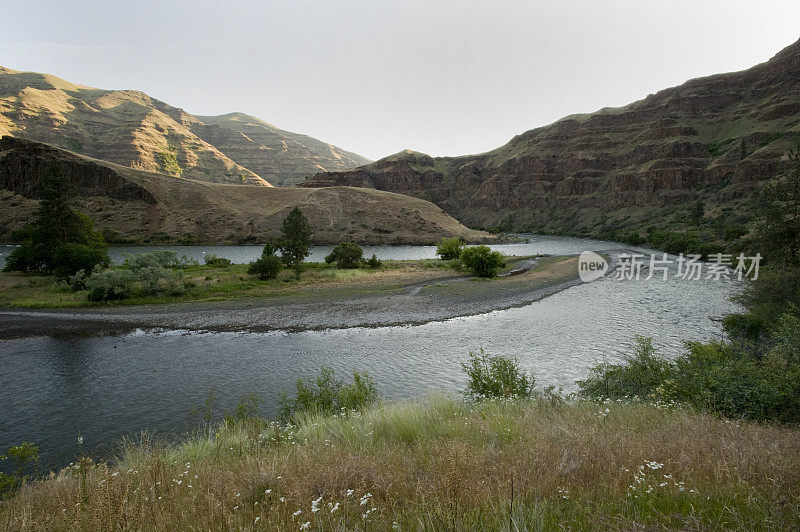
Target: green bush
(110, 285)
(718, 377)
(482, 261)
(374, 262)
(268, 266)
(217, 262)
(329, 395)
(449, 248)
(346, 255)
(158, 257)
(638, 376)
(495, 376)
(24, 456)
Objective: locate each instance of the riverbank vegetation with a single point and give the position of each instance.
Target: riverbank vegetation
(439, 463)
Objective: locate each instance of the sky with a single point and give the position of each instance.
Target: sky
(379, 76)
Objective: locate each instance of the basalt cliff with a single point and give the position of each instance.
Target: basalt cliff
(716, 139)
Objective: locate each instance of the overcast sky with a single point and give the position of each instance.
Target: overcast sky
(378, 76)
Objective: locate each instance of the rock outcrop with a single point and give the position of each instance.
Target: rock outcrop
(715, 139)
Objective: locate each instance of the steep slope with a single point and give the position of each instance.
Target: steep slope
(132, 129)
(282, 157)
(714, 139)
(145, 207)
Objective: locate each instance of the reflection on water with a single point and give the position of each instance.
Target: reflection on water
(105, 387)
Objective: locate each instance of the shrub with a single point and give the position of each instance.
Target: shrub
(110, 285)
(217, 262)
(719, 377)
(449, 248)
(328, 395)
(268, 266)
(494, 376)
(482, 261)
(24, 456)
(374, 262)
(346, 255)
(639, 375)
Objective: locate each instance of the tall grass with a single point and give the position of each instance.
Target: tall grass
(439, 463)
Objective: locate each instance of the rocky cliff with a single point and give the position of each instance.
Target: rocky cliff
(136, 206)
(715, 139)
(132, 129)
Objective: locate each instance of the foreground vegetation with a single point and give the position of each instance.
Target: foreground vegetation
(440, 463)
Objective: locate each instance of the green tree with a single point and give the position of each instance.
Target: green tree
(60, 240)
(268, 266)
(778, 231)
(346, 255)
(296, 241)
(482, 261)
(449, 248)
(495, 376)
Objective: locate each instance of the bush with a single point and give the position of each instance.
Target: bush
(718, 377)
(482, 261)
(495, 376)
(268, 266)
(346, 255)
(72, 258)
(449, 248)
(374, 262)
(329, 395)
(639, 375)
(24, 457)
(217, 262)
(110, 285)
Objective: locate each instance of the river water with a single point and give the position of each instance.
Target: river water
(53, 389)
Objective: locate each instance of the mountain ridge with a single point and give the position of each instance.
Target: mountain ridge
(715, 139)
(131, 128)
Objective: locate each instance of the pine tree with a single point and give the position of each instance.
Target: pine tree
(296, 241)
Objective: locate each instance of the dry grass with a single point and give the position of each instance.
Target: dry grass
(440, 464)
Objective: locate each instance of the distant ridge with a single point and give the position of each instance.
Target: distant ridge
(130, 128)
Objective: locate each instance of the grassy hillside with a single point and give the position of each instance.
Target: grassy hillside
(130, 128)
(144, 207)
(439, 464)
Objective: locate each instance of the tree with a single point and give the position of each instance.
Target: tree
(698, 212)
(482, 261)
(449, 248)
(346, 255)
(778, 230)
(296, 241)
(60, 240)
(268, 266)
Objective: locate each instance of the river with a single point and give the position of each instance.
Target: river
(53, 389)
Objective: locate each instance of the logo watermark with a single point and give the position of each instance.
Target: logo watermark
(591, 266)
(690, 267)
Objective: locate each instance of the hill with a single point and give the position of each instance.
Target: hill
(145, 207)
(715, 139)
(133, 129)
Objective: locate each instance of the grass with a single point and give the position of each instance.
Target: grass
(319, 281)
(439, 463)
